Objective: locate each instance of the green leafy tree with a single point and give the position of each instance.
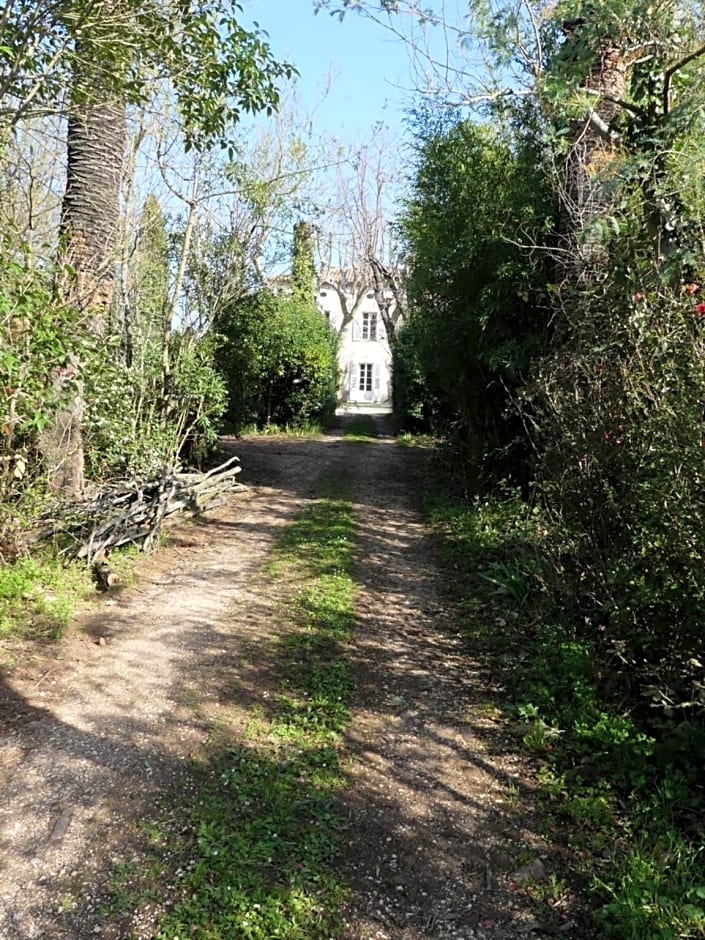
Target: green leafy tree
(218, 68)
(474, 292)
(278, 358)
(96, 60)
(146, 315)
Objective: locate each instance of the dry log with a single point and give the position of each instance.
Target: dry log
(105, 576)
(166, 491)
(215, 471)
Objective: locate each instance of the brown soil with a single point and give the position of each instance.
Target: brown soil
(442, 826)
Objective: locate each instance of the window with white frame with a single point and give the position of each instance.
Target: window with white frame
(365, 379)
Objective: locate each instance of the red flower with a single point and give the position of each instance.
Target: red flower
(638, 296)
(692, 288)
(700, 308)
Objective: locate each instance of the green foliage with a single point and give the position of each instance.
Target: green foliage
(139, 420)
(41, 343)
(218, 68)
(477, 318)
(417, 407)
(196, 396)
(303, 267)
(659, 893)
(150, 279)
(611, 789)
(620, 408)
(278, 359)
(36, 337)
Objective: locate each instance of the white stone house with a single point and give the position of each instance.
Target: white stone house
(364, 356)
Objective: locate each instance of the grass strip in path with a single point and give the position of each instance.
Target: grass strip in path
(262, 834)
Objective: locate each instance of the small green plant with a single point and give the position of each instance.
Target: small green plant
(657, 893)
(510, 580)
(408, 439)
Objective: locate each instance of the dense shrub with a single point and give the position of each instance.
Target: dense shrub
(41, 344)
(417, 405)
(140, 418)
(620, 407)
(476, 293)
(278, 359)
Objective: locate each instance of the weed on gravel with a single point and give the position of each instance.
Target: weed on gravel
(40, 594)
(261, 832)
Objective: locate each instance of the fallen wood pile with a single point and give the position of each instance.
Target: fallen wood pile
(135, 512)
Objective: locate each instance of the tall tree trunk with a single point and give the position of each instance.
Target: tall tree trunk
(584, 195)
(91, 207)
(89, 227)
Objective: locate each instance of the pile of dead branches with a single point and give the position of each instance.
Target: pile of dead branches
(135, 511)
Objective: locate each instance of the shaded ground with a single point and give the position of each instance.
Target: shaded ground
(441, 822)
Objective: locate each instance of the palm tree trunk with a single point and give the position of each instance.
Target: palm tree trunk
(91, 207)
(89, 228)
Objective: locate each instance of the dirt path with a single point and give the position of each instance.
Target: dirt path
(440, 818)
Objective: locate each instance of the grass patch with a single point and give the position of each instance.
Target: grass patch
(309, 428)
(631, 815)
(407, 439)
(262, 833)
(39, 595)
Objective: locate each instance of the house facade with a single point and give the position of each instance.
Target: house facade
(364, 356)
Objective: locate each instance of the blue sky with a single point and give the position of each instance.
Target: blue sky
(368, 68)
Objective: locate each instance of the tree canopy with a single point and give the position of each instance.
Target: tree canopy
(126, 48)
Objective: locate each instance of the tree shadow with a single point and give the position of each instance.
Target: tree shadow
(437, 813)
